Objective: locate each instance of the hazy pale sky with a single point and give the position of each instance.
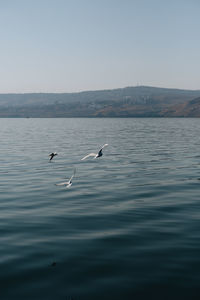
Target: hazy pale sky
(76, 45)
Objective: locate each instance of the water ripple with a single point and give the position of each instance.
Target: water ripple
(128, 228)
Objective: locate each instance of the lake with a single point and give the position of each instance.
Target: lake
(127, 228)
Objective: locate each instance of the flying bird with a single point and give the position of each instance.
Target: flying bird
(52, 155)
(68, 183)
(95, 155)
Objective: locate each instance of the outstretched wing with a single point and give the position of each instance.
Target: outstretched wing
(91, 154)
(63, 183)
(103, 146)
(73, 175)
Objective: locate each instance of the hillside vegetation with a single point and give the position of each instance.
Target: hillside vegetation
(140, 101)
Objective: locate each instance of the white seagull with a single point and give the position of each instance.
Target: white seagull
(52, 155)
(69, 182)
(96, 155)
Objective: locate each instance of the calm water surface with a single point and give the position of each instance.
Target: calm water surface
(128, 228)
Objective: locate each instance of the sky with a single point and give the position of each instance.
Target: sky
(61, 46)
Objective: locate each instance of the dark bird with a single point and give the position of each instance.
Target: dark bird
(52, 155)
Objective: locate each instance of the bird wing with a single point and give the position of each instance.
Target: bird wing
(91, 154)
(63, 183)
(103, 146)
(68, 186)
(67, 183)
(53, 153)
(73, 175)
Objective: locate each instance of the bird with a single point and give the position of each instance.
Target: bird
(96, 155)
(52, 155)
(68, 183)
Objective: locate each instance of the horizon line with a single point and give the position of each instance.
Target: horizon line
(98, 90)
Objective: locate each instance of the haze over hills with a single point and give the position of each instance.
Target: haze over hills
(139, 101)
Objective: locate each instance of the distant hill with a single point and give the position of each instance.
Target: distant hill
(140, 101)
(188, 109)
